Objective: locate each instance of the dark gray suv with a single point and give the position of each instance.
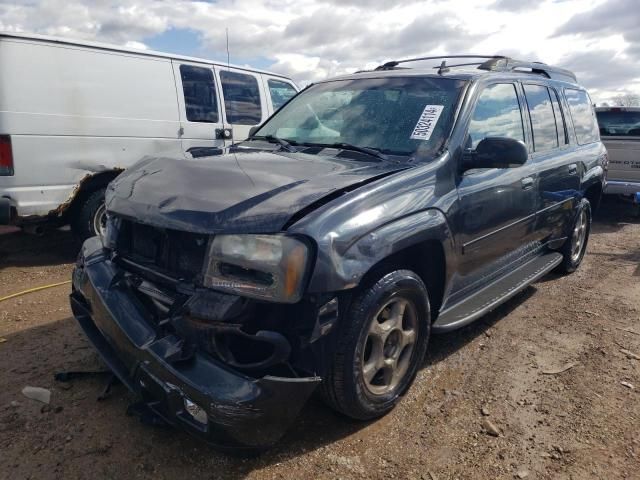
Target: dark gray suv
(370, 211)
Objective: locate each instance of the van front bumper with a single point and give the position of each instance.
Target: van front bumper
(241, 412)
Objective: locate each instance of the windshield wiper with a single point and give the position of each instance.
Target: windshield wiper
(280, 141)
(348, 146)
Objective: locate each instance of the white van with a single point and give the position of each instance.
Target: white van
(73, 115)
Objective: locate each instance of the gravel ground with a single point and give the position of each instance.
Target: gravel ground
(547, 386)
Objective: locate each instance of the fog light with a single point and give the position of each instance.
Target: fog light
(196, 412)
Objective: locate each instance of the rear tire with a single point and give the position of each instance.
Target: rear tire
(575, 246)
(90, 218)
(375, 363)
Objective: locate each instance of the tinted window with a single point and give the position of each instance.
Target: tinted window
(619, 123)
(543, 121)
(199, 94)
(561, 126)
(281, 92)
(584, 121)
(241, 98)
(497, 114)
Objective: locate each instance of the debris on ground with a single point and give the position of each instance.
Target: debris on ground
(630, 354)
(490, 428)
(37, 393)
(627, 384)
(556, 371)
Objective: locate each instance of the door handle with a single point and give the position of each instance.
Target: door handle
(573, 168)
(527, 183)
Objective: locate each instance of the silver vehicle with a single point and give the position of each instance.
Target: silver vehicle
(73, 115)
(620, 132)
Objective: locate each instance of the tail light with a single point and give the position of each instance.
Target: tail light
(6, 156)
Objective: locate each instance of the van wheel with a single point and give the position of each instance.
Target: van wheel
(91, 218)
(381, 344)
(576, 244)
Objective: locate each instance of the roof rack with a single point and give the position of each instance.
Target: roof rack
(494, 63)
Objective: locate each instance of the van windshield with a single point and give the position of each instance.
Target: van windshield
(405, 116)
(619, 123)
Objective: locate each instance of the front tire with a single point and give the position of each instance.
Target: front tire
(575, 246)
(90, 218)
(381, 343)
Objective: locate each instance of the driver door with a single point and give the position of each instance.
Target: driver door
(497, 206)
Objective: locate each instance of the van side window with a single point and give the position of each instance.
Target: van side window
(241, 98)
(584, 119)
(543, 122)
(561, 125)
(281, 92)
(497, 114)
(199, 94)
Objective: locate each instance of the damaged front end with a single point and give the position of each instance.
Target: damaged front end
(162, 308)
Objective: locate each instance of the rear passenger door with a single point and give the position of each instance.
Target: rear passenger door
(243, 101)
(200, 116)
(552, 156)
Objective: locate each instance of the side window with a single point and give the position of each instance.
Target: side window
(497, 114)
(281, 92)
(241, 98)
(561, 125)
(543, 121)
(199, 94)
(584, 119)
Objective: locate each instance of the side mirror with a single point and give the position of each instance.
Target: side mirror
(497, 152)
(253, 130)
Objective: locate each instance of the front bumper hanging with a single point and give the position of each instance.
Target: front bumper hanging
(201, 394)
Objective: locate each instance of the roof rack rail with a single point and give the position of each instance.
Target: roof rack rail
(496, 63)
(395, 63)
(507, 64)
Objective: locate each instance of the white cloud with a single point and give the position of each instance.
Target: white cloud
(312, 40)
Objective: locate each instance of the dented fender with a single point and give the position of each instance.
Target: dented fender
(340, 267)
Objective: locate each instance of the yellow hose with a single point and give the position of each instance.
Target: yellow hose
(31, 290)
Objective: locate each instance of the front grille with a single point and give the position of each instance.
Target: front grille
(171, 252)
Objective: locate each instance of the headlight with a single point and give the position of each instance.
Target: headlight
(268, 267)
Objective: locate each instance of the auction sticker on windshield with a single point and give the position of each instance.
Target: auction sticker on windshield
(427, 122)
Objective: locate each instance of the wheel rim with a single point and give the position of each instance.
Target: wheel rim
(579, 236)
(100, 220)
(389, 346)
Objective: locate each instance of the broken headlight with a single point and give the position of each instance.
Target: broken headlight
(267, 267)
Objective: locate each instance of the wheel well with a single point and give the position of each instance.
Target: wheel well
(87, 186)
(594, 195)
(426, 259)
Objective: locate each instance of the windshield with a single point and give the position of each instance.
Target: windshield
(396, 116)
(619, 123)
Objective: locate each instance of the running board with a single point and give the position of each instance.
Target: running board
(496, 293)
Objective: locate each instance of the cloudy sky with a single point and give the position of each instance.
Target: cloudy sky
(312, 40)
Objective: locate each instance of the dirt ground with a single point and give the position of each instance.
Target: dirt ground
(583, 422)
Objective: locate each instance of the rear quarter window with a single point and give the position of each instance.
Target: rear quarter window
(583, 116)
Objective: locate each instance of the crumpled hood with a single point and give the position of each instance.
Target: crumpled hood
(238, 192)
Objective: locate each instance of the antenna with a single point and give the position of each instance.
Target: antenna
(227, 33)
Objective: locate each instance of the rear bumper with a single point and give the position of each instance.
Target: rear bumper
(242, 412)
(621, 187)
